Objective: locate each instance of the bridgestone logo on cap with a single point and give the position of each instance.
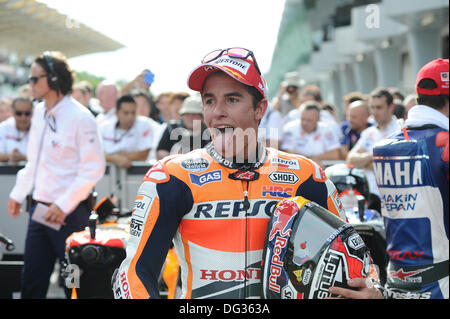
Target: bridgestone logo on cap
(239, 65)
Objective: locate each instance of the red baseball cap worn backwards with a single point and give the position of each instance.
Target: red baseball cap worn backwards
(242, 70)
(437, 70)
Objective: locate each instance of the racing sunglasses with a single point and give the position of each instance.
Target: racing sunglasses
(238, 53)
(35, 79)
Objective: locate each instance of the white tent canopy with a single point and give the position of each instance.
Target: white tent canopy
(28, 28)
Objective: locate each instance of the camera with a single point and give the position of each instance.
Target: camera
(149, 77)
(291, 89)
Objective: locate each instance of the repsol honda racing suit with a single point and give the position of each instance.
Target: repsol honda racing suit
(412, 173)
(216, 212)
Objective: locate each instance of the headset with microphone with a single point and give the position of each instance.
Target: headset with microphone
(53, 78)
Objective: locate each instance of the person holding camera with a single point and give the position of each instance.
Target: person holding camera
(65, 161)
(288, 98)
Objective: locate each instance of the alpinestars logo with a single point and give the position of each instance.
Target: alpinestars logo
(408, 276)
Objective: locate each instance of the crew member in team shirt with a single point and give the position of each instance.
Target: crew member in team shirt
(309, 137)
(64, 162)
(130, 137)
(14, 131)
(381, 103)
(358, 120)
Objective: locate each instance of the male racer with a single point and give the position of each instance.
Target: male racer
(411, 170)
(215, 202)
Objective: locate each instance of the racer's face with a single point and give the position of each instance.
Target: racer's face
(231, 116)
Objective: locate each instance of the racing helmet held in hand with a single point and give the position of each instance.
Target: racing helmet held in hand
(307, 250)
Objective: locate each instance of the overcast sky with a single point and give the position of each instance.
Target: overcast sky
(170, 37)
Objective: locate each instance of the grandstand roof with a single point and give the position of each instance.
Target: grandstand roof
(28, 28)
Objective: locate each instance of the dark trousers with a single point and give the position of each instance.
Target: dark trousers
(43, 246)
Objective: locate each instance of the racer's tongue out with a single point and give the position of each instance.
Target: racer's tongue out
(223, 140)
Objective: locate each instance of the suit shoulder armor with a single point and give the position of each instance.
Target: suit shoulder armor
(304, 165)
(158, 173)
(178, 164)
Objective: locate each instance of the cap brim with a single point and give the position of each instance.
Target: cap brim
(198, 76)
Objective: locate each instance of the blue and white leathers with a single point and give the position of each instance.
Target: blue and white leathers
(412, 174)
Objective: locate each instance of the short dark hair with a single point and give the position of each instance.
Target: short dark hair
(310, 105)
(352, 97)
(328, 107)
(163, 94)
(154, 112)
(181, 96)
(434, 101)
(399, 109)
(256, 95)
(126, 98)
(397, 94)
(313, 90)
(65, 75)
(380, 92)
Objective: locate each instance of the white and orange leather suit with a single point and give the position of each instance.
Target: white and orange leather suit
(216, 213)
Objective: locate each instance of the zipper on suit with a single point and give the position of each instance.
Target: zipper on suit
(246, 208)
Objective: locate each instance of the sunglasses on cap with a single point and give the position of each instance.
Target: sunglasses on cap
(35, 79)
(20, 113)
(238, 53)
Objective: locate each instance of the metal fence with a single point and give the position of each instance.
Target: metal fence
(120, 182)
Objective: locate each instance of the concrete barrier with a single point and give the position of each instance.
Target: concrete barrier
(122, 183)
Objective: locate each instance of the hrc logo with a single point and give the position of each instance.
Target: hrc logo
(277, 191)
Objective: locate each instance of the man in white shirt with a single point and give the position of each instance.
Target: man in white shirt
(146, 108)
(308, 137)
(5, 109)
(360, 156)
(14, 131)
(107, 94)
(65, 161)
(271, 128)
(130, 137)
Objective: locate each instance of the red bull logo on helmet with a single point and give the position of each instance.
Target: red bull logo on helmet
(291, 272)
(283, 215)
(276, 267)
(280, 230)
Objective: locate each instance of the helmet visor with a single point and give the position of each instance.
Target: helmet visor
(318, 227)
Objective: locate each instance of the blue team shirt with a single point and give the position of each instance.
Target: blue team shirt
(350, 136)
(413, 179)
